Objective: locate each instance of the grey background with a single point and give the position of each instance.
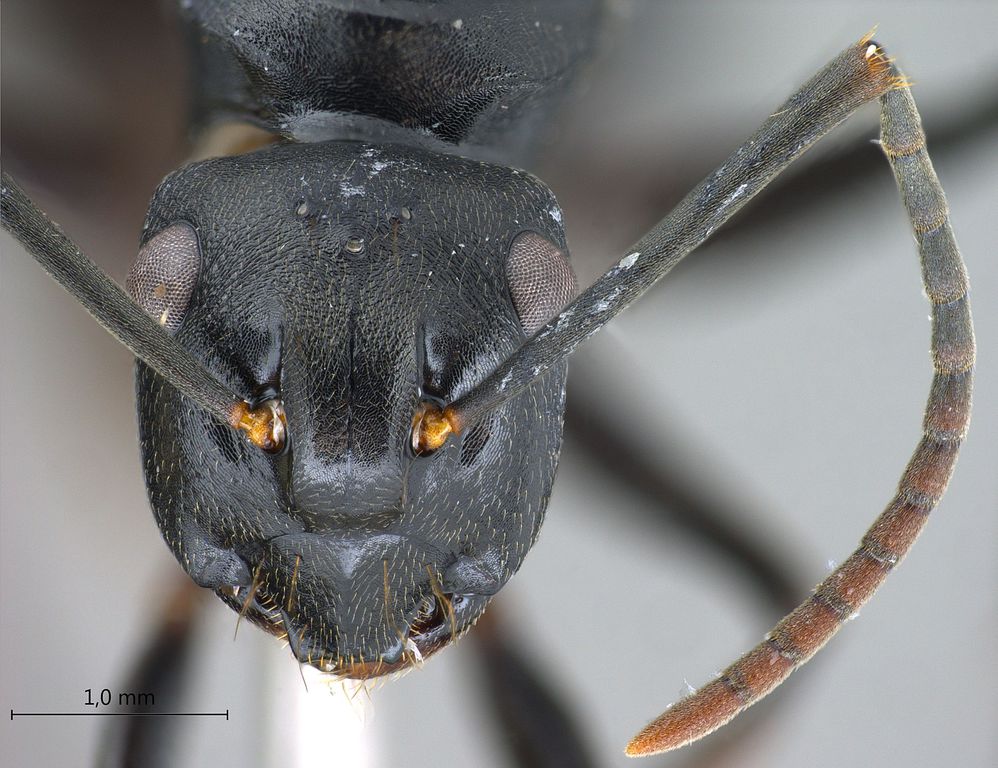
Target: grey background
(788, 361)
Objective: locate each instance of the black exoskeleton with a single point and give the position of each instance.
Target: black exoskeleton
(352, 342)
(353, 280)
(480, 75)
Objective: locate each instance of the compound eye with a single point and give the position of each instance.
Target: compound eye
(164, 274)
(541, 279)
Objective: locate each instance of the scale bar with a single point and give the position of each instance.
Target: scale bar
(224, 714)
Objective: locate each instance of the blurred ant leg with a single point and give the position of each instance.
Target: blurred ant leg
(535, 724)
(537, 728)
(110, 306)
(676, 500)
(530, 712)
(160, 669)
(804, 631)
(518, 695)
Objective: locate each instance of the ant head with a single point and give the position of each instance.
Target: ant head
(350, 285)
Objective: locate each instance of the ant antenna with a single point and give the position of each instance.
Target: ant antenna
(860, 73)
(122, 318)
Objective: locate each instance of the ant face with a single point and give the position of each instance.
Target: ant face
(334, 280)
(722, 397)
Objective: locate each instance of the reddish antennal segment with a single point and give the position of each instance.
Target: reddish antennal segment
(804, 631)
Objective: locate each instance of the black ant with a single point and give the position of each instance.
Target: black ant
(373, 554)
